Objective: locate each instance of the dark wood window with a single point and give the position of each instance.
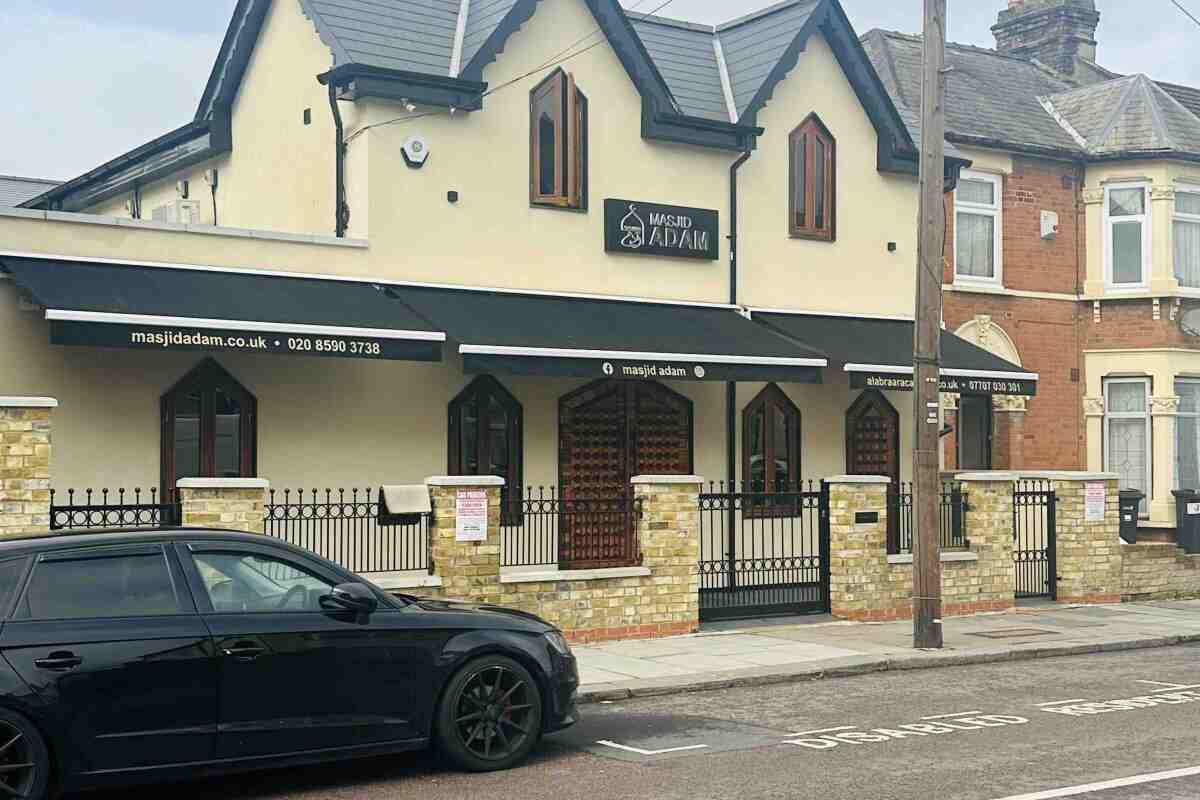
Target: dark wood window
(558, 143)
(771, 442)
(812, 199)
(209, 427)
(485, 437)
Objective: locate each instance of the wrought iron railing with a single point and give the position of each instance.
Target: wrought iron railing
(952, 508)
(350, 527)
(113, 508)
(1035, 538)
(547, 528)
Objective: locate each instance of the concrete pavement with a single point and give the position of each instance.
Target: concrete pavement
(747, 654)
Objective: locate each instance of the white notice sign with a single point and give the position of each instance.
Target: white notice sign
(470, 509)
(1094, 497)
(1193, 509)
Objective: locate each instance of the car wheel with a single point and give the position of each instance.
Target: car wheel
(490, 716)
(24, 759)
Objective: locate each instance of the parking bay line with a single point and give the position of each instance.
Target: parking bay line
(639, 751)
(1116, 783)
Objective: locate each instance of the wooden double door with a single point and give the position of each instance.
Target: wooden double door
(608, 432)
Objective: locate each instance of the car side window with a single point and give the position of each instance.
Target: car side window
(241, 582)
(103, 584)
(11, 573)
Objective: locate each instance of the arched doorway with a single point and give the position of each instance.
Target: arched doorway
(609, 431)
(873, 445)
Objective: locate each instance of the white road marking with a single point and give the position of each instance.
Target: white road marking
(1062, 702)
(1166, 687)
(1117, 783)
(642, 752)
(826, 730)
(948, 716)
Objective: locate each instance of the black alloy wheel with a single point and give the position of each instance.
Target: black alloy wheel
(491, 715)
(24, 760)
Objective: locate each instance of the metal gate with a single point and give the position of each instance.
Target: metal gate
(764, 553)
(1034, 536)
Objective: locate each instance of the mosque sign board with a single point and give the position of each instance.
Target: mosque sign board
(652, 229)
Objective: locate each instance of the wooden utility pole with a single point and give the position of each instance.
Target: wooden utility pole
(927, 563)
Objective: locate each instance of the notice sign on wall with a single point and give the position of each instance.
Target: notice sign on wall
(1094, 498)
(471, 515)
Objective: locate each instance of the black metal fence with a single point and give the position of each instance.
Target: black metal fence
(547, 528)
(1035, 524)
(350, 527)
(118, 508)
(952, 508)
(763, 551)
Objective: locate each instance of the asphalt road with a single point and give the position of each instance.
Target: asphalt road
(1019, 731)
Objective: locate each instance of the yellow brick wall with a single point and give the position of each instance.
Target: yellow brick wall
(238, 509)
(1158, 571)
(1088, 553)
(24, 470)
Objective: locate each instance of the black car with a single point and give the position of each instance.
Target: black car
(137, 656)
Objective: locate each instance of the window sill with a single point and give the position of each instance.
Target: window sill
(812, 237)
(979, 283)
(403, 580)
(556, 575)
(947, 557)
(558, 207)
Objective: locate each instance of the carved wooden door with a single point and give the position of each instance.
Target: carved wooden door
(873, 446)
(610, 431)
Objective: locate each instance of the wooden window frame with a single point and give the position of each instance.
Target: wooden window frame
(814, 129)
(206, 377)
(770, 398)
(480, 390)
(571, 144)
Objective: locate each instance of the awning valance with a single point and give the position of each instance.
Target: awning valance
(175, 308)
(579, 336)
(878, 353)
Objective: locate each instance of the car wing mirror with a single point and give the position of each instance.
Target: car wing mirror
(355, 597)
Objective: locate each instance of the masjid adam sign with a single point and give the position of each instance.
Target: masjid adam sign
(652, 229)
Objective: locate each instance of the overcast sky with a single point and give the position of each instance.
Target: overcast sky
(90, 79)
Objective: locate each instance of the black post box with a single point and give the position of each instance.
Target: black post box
(1129, 500)
(1187, 519)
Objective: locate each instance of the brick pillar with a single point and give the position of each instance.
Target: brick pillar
(669, 537)
(1088, 553)
(988, 525)
(859, 578)
(224, 503)
(1008, 432)
(468, 570)
(25, 465)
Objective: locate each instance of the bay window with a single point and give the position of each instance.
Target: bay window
(1127, 432)
(1127, 235)
(977, 229)
(1187, 236)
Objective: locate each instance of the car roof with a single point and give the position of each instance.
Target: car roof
(87, 538)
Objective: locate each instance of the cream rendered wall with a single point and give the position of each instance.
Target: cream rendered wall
(855, 273)
(1162, 177)
(998, 162)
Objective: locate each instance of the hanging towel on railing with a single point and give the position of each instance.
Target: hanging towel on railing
(413, 499)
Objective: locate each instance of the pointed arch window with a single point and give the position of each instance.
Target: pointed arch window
(812, 201)
(209, 427)
(771, 442)
(558, 121)
(485, 436)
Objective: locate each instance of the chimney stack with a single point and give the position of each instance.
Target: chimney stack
(1055, 32)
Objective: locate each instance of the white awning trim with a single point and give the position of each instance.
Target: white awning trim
(893, 369)
(240, 325)
(631, 355)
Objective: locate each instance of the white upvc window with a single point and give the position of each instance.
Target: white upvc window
(1187, 434)
(977, 227)
(1127, 438)
(1187, 235)
(1127, 237)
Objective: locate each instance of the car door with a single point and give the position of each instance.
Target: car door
(293, 675)
(109, 639)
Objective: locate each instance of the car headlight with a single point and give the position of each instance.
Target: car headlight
(558, 643)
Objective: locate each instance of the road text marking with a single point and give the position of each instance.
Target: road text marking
(1089, 707)
(828, 741)
(1117, 783)
(958, 714)
(642, 752)
(826, 730)
(1062, 702)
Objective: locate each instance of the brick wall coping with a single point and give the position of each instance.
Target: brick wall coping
(661, 479)
(11, 401)
(859, 479)
(1067, 475)
(947, 556)
(465, 480)
(994, 476)
(555, 575)
(400, 580)
(223, 483)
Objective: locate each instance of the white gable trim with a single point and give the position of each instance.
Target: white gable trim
(460, 34)
(726, 84)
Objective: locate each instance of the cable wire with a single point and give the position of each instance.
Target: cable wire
(1189, 14)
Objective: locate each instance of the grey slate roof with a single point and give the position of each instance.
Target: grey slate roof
(990, 98)
(482, 20)
(1127, 116)
(15, 190)
(754, 45)
(409, 35)
(685, 55)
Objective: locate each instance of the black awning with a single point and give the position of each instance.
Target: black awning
(878, 353)
(574, 336)
(123, 305)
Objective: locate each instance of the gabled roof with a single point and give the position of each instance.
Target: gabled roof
(1126, 117)
(15, 189)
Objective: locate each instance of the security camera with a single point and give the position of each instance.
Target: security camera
(416, 151)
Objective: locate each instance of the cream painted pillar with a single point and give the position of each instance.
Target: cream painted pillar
(25, 465)
(1163, 412)
(1093, 412)
(1162, 223)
